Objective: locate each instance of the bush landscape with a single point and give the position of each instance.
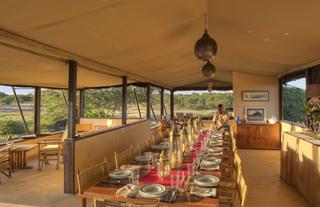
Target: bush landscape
(104, 103)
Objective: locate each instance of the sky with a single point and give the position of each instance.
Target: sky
(300, 83)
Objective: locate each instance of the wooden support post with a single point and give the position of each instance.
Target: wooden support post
(69, 151)
(20, 110)
(172, 104)
(148, 101)
(81, 103)
(37, 110)
(136, 99)
(280, 99)
(161, 102)
(124, 99)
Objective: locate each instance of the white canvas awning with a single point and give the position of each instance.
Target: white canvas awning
(152, 41)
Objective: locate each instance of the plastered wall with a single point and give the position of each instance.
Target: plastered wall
(248, 82)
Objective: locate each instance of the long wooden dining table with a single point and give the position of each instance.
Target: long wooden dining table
(107, 191)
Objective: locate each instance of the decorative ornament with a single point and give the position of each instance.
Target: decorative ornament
(206, 47)
(208, 70)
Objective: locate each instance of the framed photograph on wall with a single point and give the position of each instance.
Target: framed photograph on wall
(255, 95)
(255, 114)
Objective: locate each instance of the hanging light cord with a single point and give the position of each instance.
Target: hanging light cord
(206, 21)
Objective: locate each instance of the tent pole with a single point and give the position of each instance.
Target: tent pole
(20, 110)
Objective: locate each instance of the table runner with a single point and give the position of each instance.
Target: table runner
(153, 178)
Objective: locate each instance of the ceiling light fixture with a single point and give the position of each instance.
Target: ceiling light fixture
(208, 70)
(206, 47)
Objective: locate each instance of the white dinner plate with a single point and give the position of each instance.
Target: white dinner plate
(119, 174)
(152, 191)
(142, 158)
(206, 180)
(211, 160)
(215, 149)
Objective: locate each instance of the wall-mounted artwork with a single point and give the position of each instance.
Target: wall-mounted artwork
(255, 95)
(255, 114)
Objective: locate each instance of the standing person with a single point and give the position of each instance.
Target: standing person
(220, 118)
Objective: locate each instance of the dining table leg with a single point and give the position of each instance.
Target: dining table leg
(83, 202)
(24, 159)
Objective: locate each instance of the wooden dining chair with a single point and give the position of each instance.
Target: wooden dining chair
(91, 175)
(84, 127)
(228, 195)
(6, 162)
(143, 147)
(151, 141)
(123, 157)
(157, 138)
(180, 117)
(109, 123)
(242, 189)
(51, 150)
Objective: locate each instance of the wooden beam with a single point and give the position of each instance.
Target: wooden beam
(20, 110)
(136, 100)
(148, 101)
(172, 104)
(124, 99)
(154, 115)
(69, 152)
(227, 88)
(81, 103)
(37, 110)
(161, 102)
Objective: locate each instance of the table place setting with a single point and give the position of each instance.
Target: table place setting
(149, 191)
(161, 146)
(154, 177)
(203, 192)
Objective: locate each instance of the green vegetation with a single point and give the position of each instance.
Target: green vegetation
(105, 103)
(294, 104)
(10, 126)
(54, 111)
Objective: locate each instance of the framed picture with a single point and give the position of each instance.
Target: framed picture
(255, 95)
(255, 114)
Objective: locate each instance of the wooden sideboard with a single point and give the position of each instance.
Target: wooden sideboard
(257, 136)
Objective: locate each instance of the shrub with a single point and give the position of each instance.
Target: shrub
(9, 126)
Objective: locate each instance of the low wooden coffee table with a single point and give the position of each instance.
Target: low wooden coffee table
(19, 158)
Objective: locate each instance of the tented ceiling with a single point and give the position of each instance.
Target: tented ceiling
(25, 69)
(154, 39)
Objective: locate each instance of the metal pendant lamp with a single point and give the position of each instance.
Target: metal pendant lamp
(208, 70)
(206, 47)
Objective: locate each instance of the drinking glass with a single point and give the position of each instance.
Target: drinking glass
(178, 179)
(172, 180)
(130, 176)
(189, 168)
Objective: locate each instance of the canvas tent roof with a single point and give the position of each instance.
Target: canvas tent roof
(152, 41)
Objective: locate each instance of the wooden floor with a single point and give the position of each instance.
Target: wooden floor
(261, 170)
(31, 187)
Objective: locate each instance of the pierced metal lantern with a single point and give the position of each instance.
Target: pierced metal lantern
(206, 47)
(208, 70)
